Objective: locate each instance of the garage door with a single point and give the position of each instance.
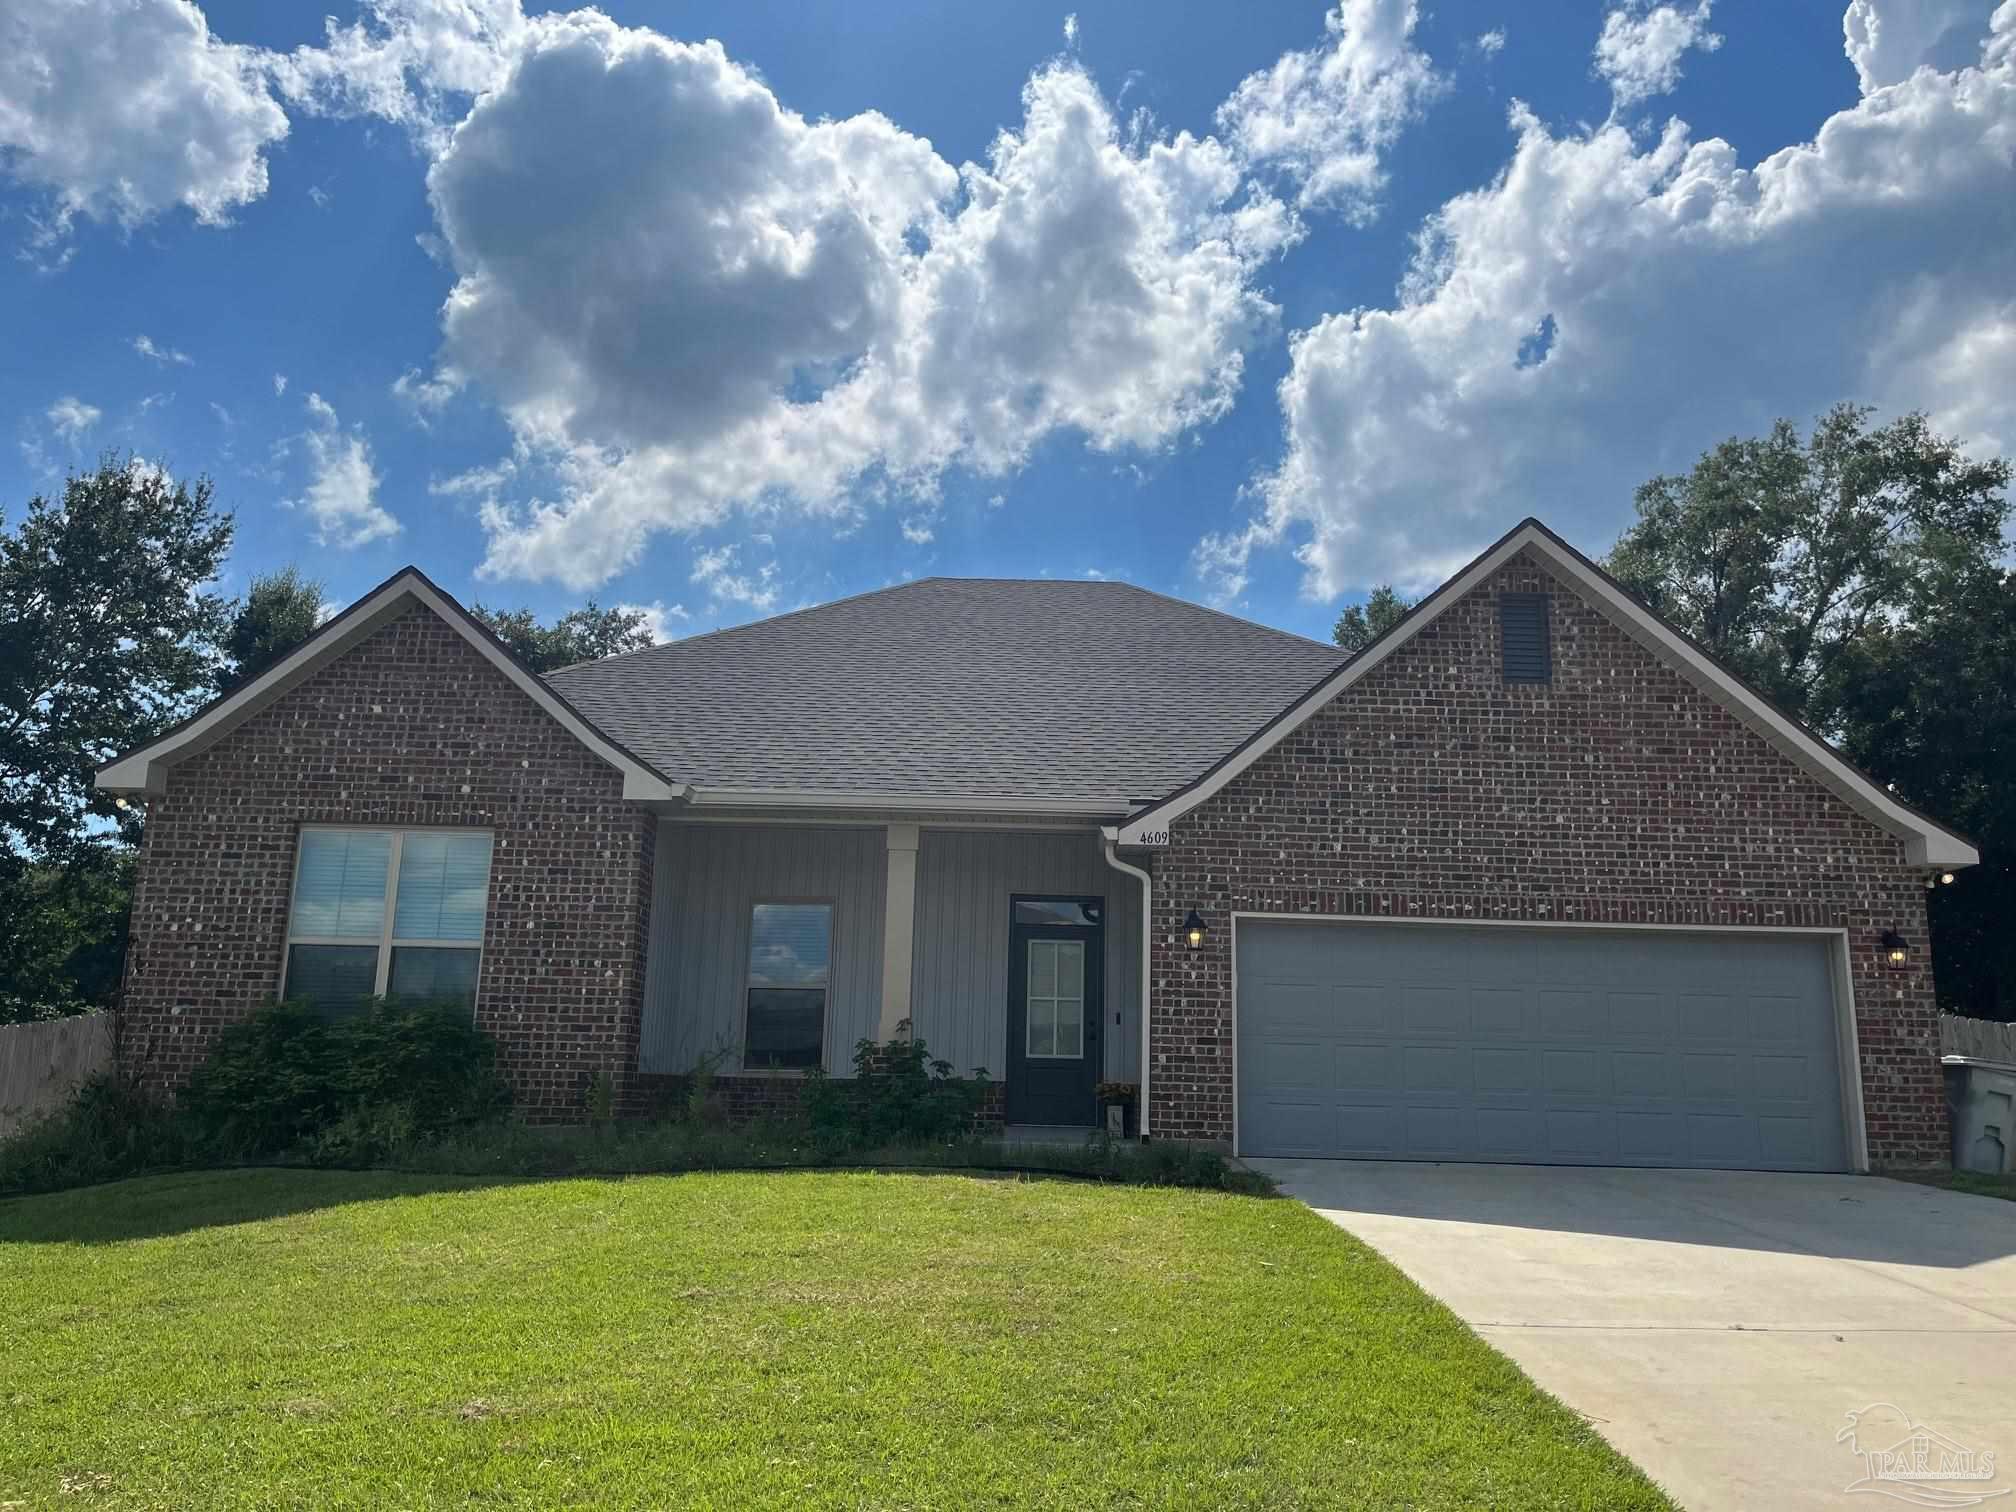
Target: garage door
(1434, 1042)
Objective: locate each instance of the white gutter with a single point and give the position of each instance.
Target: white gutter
(938, 803)
(1147, 919)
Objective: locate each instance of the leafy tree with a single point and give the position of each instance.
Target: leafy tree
(1361, 624)
(1779, 554)
(108, 635)
(280, 611)
(64, 947)
(585, 634)
(1930, 704)
(1857, 578)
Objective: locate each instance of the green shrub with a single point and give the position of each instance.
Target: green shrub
(508, 1148)
(109, 1128)
(899, 1095)
(343, 1091)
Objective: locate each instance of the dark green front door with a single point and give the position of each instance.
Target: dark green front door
(1056, 961)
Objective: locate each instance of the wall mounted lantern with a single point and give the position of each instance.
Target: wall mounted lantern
(1896, 949)
(1193, 930)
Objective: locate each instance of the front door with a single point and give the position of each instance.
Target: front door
(1056, 961)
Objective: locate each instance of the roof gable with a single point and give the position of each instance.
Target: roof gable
(1927, 843)
(146, 769)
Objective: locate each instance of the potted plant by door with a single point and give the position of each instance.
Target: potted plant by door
(1117, 1101)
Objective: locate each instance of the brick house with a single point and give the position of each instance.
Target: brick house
(1529, 878)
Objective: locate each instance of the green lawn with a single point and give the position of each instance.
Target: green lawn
(294, 1338)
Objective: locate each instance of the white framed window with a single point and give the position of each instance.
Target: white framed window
(386, 913)
(1055, 996)
(790, 969)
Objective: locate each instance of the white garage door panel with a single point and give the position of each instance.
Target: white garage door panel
(1561, 1046)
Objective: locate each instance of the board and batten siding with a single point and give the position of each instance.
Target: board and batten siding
(959, 976)
(708, 878)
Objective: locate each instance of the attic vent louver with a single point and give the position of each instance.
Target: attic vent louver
(1522, 629)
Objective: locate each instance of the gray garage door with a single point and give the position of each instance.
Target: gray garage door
(1433, 1042)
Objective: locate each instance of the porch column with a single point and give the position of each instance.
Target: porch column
(899, 919)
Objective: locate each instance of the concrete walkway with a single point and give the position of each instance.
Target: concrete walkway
(1720, 1327)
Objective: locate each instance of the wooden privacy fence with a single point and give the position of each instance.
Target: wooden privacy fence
(1980, 1039)
(40, 1064)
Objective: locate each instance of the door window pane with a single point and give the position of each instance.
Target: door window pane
(444, 882)
(422, 974)
(339, 887)
(1042, 968)
(1054, 999)
(336, 979)
(1057, 911)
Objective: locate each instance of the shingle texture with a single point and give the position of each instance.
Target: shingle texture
(956, 687)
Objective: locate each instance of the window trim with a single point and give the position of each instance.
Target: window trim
(764, 900)
(386, 940)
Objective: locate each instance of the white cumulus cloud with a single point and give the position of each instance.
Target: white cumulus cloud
(413, 62)
(659, 618)
(1889, 40)
(745, 306)
(1639, 51)
(1607, 309)
(1324, 117)
(70, 417)
(342, 493)
(719, 572)
(122, 116)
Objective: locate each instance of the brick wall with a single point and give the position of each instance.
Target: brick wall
(411, 727)
(1619, 793)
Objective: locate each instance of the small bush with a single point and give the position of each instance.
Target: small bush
(899, 1095)
(344, 1091)
(109, 1128)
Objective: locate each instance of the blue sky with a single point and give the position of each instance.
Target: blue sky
(1257, 305)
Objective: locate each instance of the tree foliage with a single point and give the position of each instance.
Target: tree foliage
(1930, 705)
(585, 634)
(280, 611)
(63, 944)
(1780, 554)
(1361, 624)
(1857, 577)
(108, 634)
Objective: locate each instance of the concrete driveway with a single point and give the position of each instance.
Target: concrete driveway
(1720, 1327)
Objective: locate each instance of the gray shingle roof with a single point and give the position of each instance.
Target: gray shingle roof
(955, 687)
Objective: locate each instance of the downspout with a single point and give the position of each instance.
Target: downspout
(1107, 840)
